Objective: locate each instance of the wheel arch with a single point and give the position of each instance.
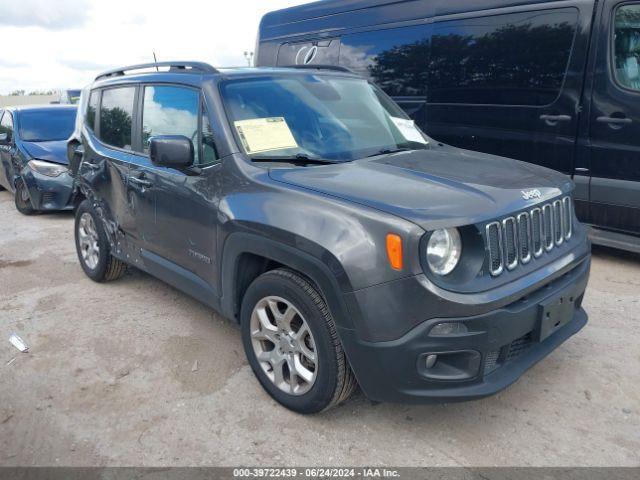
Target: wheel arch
(246, 256)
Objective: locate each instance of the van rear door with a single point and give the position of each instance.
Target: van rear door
(614, 127)
(509, 81)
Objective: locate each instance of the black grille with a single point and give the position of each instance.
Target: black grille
(510, 243)
(524, 236)
(48, 197)
(491, 361)
(516, 240)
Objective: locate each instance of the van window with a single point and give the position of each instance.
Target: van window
(6, 125)
(627, 46)
(116, 113)
(395, 59)
(92, 108)
(169, 110)
(511, 59)
(319, 52)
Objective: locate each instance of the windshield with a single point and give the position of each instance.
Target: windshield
(47, 126)
(315, 116)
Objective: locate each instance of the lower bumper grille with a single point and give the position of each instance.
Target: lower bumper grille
(496, 358)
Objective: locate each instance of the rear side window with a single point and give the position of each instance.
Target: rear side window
(395, 59)
(116, 114)
(92, 109)
(512, 59)
(170, 110)
(627, 46)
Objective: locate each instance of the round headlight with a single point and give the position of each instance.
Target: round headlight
(443, 250)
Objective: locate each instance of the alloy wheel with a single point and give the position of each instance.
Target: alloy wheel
(284, 345)
(88, 239)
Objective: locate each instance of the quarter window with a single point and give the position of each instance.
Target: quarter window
(627, 46)
(169, 110)
(511, 59)
(116, 114)
(92, 109)
(6, 125)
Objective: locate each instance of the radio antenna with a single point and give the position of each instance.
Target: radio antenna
(155, 60)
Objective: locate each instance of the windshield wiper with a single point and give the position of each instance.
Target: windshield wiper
(386, 151)
(299, 158)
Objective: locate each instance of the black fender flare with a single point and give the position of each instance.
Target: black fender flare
(318, 272)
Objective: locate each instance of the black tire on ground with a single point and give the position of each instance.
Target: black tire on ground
(108, 267)
(334, 382)
(22, 200)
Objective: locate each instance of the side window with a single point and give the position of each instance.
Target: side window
(92, 109)
(6, 125)
(169, 110)
(394, 59)
(626, 46)
(209, 152)
(116, 113)
(511, 59)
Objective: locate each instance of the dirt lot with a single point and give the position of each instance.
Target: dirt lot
(109, 380)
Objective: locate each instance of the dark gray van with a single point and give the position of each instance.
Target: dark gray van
(555, 83)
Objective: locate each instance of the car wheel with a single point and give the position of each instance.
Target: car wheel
(22, 199)
(93, 247)
(292, 345)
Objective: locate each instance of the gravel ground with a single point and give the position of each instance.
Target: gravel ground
(109, 380)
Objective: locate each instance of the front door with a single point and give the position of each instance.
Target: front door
(175, 209)
(615, 120)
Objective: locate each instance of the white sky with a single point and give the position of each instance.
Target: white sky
(51, 44)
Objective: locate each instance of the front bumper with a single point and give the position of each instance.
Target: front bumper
(498, 348)
(48, 193)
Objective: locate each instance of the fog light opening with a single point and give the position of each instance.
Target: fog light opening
(430, 361)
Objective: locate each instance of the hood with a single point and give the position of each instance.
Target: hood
(434, 188)
(50, 151)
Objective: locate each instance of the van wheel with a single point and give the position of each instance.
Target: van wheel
(93, 248)
(22, 199)
(292, 345)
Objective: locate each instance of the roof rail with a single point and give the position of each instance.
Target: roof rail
(185, 67)
(335, 68)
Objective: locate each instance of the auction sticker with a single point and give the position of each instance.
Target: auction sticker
(265, 134)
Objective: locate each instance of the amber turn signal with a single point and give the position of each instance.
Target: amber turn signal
(394, 251)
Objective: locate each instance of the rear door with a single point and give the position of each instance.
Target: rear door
(509, 82)
(614, 130)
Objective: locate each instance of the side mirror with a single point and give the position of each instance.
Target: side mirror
(173, 151)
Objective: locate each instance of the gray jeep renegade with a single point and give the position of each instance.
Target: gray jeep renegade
(351, 248)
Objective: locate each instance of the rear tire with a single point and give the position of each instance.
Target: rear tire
(92, 247)
(292, 344)
(22, 199)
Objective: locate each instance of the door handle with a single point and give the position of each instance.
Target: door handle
(555, 119)
(140, 181)
(615, 121)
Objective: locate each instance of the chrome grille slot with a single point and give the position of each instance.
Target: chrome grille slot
(517, 240)
(494, 241)
(558, 222)
(547, 224)
(524, 237)
(537, 232)
(567, 217)
(510, 242)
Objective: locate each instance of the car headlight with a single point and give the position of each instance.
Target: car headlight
(47, 168)
(443, 250)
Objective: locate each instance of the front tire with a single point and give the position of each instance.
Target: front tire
(92, 246)
(292, 345)
(22, 199)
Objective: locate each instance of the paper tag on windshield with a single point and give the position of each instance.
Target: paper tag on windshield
(409, 130)
(265, 134)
